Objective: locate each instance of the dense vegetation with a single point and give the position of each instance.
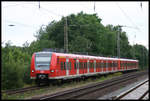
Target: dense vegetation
(86, 34)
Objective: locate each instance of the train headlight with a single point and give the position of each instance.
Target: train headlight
(32, 71)
(52, 71)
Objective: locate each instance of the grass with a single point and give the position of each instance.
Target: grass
(56, 88)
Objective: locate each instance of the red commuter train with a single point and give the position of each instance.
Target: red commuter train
(52, 65)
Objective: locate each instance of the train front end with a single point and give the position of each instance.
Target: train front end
(40, 66)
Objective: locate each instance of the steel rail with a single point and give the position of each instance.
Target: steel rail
(77, 92)
(20, 90)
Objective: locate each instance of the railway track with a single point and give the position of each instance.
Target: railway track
(88, 92)
(21, 90)
(130, 94)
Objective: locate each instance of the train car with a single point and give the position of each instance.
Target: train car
(51, 65)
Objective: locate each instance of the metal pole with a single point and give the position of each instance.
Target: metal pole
(118, 43)
(65, 36)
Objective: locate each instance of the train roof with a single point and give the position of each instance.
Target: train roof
(85, 56)
(93, 57)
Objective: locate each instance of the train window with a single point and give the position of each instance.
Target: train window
(57, 60)
(74, 65)
(70, 65)
(108, 64)
(114, 64)
(104, 65)
(96, 64)
(64, 65)
(61, 65)
(90, 65)
(80, 63)
(85, 64)
(101, 65)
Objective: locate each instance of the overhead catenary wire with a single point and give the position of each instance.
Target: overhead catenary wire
(128, 17)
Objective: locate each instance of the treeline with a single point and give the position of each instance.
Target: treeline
(86, 34)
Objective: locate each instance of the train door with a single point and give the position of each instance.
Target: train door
(107, 69)
(62, 66)
(85, 66)
(109, 65)
(77, 66)
(118, 65)
(80, 66)
(100, 68)
(125, 65)
(104, 66)
(67, 67)
(91, 66)
(72, 71)
(94, 66)
(113, 66)
(88, 66)
(97, 66)
(58, 67)
(122, 65)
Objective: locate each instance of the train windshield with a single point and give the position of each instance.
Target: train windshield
(42, 61)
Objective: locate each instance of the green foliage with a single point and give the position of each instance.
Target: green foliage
(14, 62)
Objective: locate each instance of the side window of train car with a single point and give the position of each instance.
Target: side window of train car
(97, 64)
(81, 65)
(93, 64)
(75, 65)
(110, 64)
(62, 65)
(85, 65)
(90, 64)
(101, 64)
(104, 64)
(70, 65)
(57, 60)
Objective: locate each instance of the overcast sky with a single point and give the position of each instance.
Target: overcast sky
(28, 17)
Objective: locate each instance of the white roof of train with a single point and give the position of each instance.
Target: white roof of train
(88, 56)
